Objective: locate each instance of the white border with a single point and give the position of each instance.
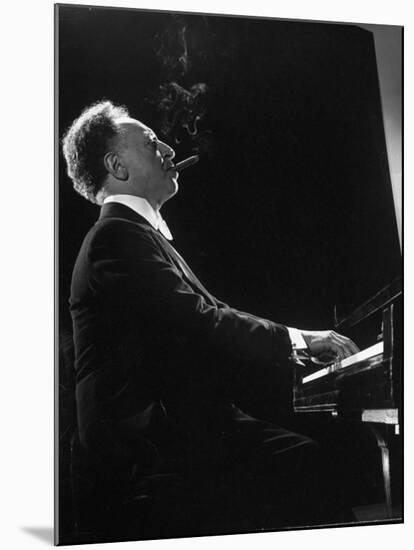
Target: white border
(27, 266)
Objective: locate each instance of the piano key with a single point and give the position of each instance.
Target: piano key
(363, 355)
(367, 353)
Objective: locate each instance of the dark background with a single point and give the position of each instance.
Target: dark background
(289, 211)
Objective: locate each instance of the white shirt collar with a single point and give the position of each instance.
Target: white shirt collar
(143, 208)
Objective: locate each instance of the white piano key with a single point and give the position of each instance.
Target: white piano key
(367, 353)
(317, 374)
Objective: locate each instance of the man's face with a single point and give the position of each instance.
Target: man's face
(148, 162)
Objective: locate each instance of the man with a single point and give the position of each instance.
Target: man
(157, 356)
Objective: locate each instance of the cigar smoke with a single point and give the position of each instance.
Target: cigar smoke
(180, 100)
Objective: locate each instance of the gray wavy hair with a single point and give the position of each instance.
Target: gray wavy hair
(85, 144)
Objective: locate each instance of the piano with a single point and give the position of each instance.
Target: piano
(367, 385)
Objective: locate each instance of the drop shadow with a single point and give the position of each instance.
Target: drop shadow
(43, 533)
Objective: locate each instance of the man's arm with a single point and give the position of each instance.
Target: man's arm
(126, 259)
(128, 262)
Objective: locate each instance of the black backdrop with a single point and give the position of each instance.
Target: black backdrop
(290, 209)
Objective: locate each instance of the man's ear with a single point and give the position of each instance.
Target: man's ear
(115, 167)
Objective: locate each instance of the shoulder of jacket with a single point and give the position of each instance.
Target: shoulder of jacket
(115, 230)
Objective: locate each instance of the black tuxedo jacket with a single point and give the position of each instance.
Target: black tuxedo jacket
(146, 329)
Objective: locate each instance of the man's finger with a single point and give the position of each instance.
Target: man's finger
(336, 348)
(347, 343)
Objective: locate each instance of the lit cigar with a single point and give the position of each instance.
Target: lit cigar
(185, 163)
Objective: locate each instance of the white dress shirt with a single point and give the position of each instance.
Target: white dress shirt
(297, 339)
(143, 208)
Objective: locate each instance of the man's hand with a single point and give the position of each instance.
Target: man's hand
(329, 344)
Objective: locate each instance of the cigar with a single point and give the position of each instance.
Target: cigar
(185, 163)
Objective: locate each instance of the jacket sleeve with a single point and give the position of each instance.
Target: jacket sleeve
(127, 261)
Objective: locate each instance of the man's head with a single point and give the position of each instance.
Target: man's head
(107, 153)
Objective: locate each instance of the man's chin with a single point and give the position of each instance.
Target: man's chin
(171, 185)
(172, 188)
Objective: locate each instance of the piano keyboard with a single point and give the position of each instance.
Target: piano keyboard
(368, 353)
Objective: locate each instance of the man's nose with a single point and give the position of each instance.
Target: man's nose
(166, 150)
